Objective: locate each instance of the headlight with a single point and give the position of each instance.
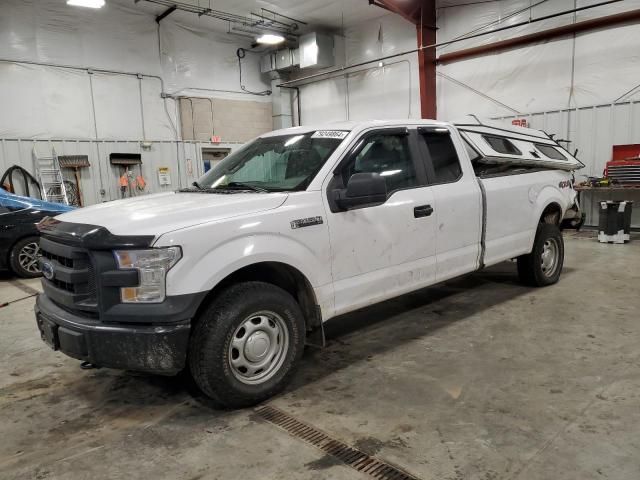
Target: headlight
(152, 266)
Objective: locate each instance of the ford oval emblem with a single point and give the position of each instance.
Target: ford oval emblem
(47, 270)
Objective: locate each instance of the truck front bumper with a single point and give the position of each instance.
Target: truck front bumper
(144, 348)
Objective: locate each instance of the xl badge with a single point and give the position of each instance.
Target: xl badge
(306, 222)
(47, 270)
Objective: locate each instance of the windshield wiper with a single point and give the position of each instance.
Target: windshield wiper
(247, 186)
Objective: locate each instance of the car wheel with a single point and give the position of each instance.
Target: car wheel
(246, 344)
(24, 257)
(543, 265)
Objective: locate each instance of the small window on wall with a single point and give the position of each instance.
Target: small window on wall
(444, 158)
(502, 145)
(550, 152)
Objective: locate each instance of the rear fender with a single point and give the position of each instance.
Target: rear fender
(547, 196)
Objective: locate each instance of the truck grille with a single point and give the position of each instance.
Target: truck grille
(73, 284)
(67, 262)
(69, 287)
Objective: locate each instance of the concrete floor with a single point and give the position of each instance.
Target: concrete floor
(478, 379)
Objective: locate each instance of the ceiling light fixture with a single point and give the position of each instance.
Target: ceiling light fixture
(86, 3)
(270, 39)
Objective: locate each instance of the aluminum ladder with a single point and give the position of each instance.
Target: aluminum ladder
(50, 177)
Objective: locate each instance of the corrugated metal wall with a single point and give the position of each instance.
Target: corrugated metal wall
(99, 183)
(594, 131)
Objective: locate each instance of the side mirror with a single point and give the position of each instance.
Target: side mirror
(362, 189)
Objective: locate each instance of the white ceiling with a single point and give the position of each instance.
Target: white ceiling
(324, 14)
(317, 13)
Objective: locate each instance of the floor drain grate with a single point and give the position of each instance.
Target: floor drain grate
(353, 457)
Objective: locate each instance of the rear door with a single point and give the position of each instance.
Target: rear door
(457, 201)
(381, 251)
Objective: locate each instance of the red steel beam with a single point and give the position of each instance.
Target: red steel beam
(427, 60)
(407, 9)
(587, 25)
(422, 13)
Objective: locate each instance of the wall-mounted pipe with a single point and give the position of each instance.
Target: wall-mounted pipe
(101, 190)
(213, 130)
(298, 105)
(346, 76)
(144, 131)
(179, 93)
(92, 70)
(193, 120)
(574, 28)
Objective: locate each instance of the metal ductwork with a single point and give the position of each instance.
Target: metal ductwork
(316, 51)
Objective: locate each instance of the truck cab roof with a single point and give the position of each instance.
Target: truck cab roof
(488, 141)
(354, 126)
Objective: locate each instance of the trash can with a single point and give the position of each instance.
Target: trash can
(615, 221)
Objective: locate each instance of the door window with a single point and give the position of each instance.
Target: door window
(444, 158)
(387, 155)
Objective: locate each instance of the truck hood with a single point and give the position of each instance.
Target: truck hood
(164, 212)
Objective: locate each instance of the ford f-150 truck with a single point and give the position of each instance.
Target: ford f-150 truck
(234, 275)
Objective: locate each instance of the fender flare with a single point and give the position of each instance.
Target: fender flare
(546, 197)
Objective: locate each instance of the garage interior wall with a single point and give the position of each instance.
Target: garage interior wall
(583, 88)
(376, 91)
(97, 113)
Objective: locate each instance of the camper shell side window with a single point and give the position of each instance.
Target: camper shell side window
(502, 145)
(550, 151)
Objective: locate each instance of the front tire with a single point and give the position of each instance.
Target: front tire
(543, 265)
(24, 257)
(246, 344)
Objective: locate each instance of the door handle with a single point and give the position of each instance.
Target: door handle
(422, 211)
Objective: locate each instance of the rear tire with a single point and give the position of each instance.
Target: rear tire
(23, 258)
(246, 344)
(543, 265)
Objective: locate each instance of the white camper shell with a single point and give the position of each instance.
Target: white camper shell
(491, 143)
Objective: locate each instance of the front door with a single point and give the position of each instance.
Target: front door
(381, 251)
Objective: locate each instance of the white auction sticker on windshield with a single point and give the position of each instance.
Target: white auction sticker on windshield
(330, 134)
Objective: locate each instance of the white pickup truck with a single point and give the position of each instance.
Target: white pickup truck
(231, 277)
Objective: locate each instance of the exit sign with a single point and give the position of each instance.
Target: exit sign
(216, 139)
(519, 122)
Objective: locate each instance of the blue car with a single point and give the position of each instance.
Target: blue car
(19, 241)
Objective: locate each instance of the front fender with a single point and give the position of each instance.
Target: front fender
(197, 273)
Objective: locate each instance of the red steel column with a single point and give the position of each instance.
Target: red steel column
(426, 29)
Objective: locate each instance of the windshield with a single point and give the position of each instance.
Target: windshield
(273, 164)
